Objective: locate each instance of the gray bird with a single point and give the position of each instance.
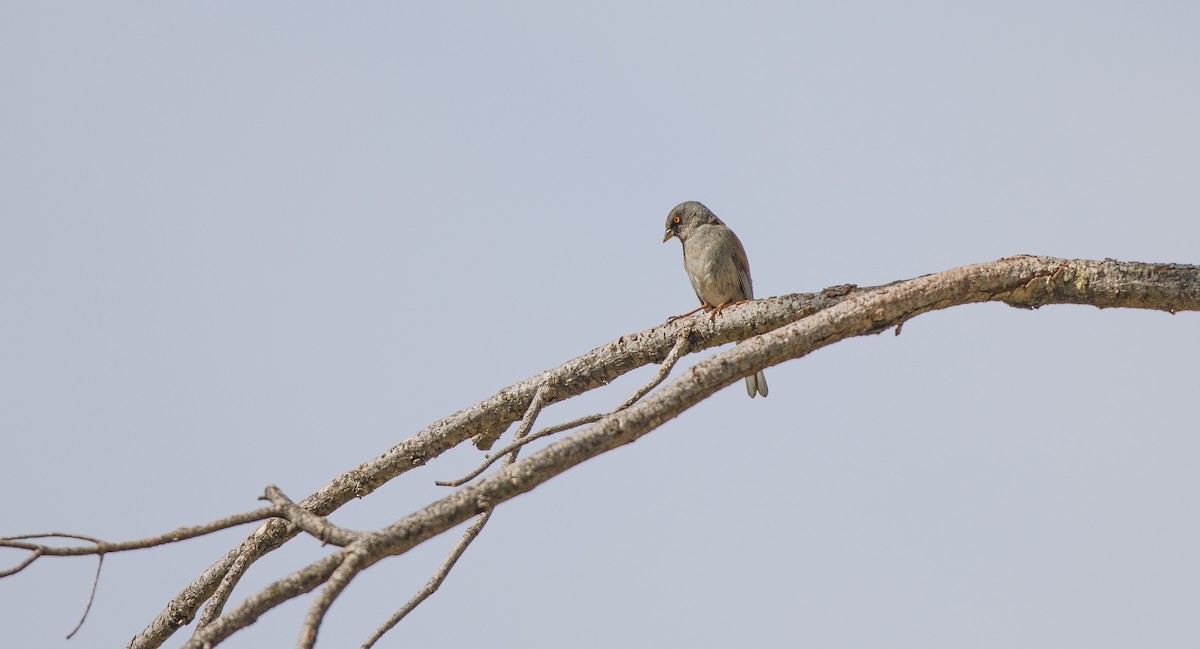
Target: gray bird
(716, 264)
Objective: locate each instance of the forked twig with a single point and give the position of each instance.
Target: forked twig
(679, 350)
(336, 583)
(229, 581)
(468, 537)
(303, 519)
(682, 345)
(33, 556)
(100, 548)
(864, 312)
(211, 589)
(434, 582)
(317, 526)
(516, 444)
(510, 456)
(40, 551)
(509, 452)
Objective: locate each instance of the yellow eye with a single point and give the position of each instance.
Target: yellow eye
(675, 220)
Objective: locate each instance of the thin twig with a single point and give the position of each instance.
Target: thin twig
(50, 535)
(556, 428)
(541, 395)
(434, 582)
(91, 597)
(230, 579)
(36, 550)
(531, 415)
(333, 587)
(682, 345)
(101, 547)
(510, 454)
(39, 550)
(33, 556)
(491, 459)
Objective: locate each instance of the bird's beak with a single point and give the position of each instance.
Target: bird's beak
(670, 233)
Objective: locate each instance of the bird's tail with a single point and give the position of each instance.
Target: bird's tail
(756, 385)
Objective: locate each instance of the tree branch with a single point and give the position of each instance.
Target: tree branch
(594, 369)
(772, 331)
(520, 440)
(1025, 282)
(434, 582)
(102, 547)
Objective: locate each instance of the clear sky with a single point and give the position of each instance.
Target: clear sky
(251, 243)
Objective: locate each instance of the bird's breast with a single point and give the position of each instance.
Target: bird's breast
(714, 278)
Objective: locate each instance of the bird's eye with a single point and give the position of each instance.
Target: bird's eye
(675, 220)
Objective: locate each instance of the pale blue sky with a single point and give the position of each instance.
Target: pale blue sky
(250, 244)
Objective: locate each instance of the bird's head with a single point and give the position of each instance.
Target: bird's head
(686, 217)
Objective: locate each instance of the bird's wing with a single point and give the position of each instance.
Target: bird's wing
(743, 268)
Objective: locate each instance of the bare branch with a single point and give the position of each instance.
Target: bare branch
(238, 561)
(677, 352)
(595, 369)
(787, 327)
(1021, 281)
(293, 585)
(49, 535)
(550, 430)
(337, 583)
(40, 550)
(470, 535)
(682, 345)
(101, 547)
(518, 443)
(234, 566)
(316, 526)
(434, 582)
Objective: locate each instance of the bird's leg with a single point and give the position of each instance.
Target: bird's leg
(699, 308)
(717, 309)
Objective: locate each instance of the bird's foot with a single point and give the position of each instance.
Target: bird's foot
(712, 315)
(699, 308)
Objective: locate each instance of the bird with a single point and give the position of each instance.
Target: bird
(716, 264)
